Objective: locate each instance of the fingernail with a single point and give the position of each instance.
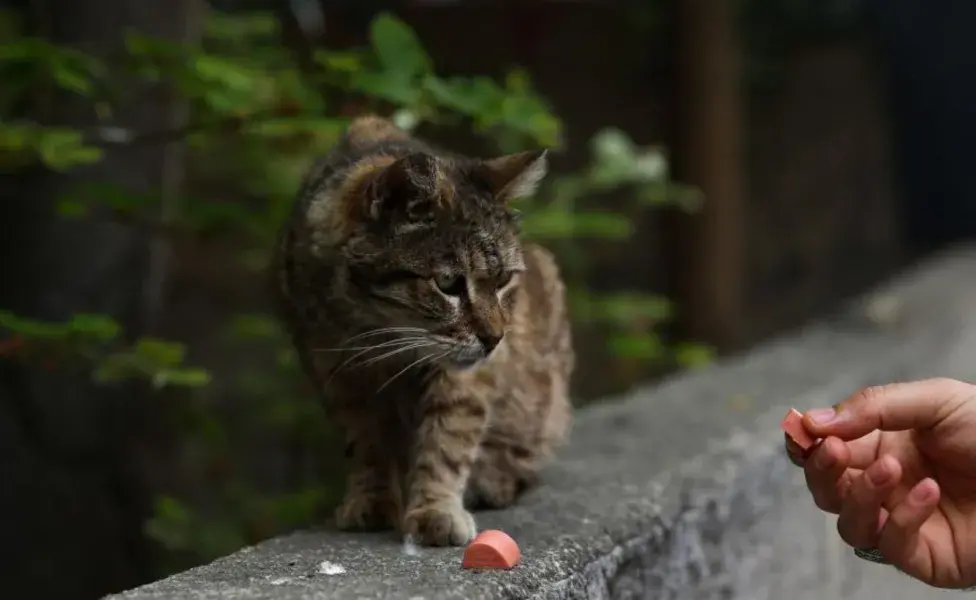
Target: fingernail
(921, 494)
(822, 416)
(880, 472)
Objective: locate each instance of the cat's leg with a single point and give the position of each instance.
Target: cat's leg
(502, 472)
(445, 448)
(369, 502)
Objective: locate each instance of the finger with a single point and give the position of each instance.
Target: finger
(900, 541)
(795, 453)
(825, 472)
(859, 523)
(893, 407)
(864, 450)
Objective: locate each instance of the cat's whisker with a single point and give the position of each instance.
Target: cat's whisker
(385, 344)
(383, 330)
(380, 346)
(364, 349)
(426, 357)
(376, 359)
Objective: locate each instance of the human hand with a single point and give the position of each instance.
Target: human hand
(897, 463)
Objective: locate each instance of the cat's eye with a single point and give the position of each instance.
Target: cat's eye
(450, 284)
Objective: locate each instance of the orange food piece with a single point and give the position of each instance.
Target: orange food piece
(793, 426)
(491, 549)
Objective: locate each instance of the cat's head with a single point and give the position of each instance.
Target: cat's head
(430, 246)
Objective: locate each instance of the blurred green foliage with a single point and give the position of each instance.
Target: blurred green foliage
(256, 120)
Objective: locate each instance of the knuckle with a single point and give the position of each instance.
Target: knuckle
(897, 523)
(958, 392)
(824, 502)
(824, 496)
(844, 485)
(868, 402)
(869, 397)
(863, 494)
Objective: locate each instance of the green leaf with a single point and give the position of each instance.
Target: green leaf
(618, 162)
(68, 68)
(96, 194)
(171, 523)
(227, 73)
(241, 27)
(343, 62)
(159, 353)
(611, 144)
(72, 208)
(73, 81)
(397, 46)
(642, 346)
(255, 326)
(626, 311)
(694, 356)
(388, 85)
(114, 368)
(188, 377)
(32, 328)
(58, 148)
(475, 97)
(687, 198)
(100, 327)
(405, 119)
(287, 359)
(172, 510)
(556, 224)
(328, 128)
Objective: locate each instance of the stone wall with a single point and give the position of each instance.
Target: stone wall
(677, 491)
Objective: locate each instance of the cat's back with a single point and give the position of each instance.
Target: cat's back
(542, 320)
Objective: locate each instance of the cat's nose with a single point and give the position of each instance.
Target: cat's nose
(489, 341)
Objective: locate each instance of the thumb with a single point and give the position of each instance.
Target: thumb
(893, 407)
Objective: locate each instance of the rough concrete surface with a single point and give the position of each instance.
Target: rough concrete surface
(677, 491)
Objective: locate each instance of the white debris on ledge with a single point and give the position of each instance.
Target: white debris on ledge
(331, 568)
(409, 546)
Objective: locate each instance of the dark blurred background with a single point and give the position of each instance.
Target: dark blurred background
(723, 171)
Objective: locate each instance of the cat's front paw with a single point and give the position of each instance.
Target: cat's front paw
(361, 512)
(442, 524)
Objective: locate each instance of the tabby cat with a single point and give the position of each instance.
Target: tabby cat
(439, 342)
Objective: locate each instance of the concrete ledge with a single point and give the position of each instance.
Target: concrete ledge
(674, 491)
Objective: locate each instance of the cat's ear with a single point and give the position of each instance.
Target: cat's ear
(403, 187)
(514, 175)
